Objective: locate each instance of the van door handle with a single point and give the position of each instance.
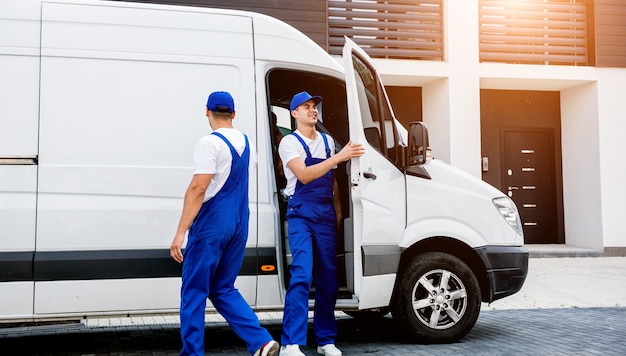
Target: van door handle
(513, 188)
(369, 175)
(18, 160)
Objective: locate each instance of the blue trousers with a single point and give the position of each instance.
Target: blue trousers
(312, 239)
(210, 268)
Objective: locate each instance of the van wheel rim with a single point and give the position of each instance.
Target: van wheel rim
(439, 299)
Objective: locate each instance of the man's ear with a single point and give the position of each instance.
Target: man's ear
(232, 115)
(206, 112)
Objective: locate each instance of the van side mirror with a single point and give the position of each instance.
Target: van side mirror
(418, 143)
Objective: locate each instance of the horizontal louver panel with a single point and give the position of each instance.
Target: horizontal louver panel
(387, 29)
(610, 30)
(534, 32)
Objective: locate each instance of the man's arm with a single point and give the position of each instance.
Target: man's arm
(194, 197)
(308, 174)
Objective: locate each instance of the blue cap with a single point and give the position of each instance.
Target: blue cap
(220, 101)
(302, 97)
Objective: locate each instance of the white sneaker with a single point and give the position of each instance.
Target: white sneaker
(329, 350)
(291, 350)
(269, 349)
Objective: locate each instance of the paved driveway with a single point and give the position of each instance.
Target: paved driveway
(561, 331)
(568, 306)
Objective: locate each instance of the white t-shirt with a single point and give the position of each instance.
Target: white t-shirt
(290, 148)
(212, 156)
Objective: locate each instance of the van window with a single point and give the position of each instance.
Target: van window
(378, 123)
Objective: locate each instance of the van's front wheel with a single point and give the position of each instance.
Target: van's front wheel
(437, 298)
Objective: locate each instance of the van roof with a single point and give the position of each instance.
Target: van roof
(274, 40)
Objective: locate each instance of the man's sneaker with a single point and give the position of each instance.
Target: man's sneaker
(291, 350)
(328, 350)
(269, 349)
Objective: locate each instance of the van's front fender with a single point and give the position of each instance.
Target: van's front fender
(500, 269)
(440, 227)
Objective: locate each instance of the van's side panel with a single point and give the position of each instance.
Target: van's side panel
(19, 76)
(122, 107)
(17, 238)
(270, 290)
(19, 109)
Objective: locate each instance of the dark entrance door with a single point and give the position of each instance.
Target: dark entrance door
(530, 180)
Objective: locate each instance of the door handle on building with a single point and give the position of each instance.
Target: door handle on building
(511, 189)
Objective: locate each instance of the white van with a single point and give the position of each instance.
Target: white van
(101, 106)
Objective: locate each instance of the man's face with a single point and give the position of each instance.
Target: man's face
(306, 113)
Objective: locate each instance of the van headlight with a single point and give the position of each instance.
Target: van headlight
(506, 207)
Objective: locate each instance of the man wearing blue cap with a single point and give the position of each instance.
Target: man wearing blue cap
(216, 213)
(313, 216)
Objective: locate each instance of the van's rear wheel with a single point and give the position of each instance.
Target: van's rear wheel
(437, 298)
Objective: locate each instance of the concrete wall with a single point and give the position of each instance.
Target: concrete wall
(581, 166)
(612, 147)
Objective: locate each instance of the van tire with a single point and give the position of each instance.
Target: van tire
(460, 296)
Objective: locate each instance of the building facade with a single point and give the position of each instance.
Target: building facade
(528, 95)
(546, 134)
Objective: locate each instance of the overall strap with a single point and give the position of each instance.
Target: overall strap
(306, 147)
(326, 145)
(232, 149)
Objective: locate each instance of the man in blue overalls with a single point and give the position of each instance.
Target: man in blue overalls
(313, 215)
(216, 213)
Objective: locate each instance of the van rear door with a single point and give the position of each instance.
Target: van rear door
(19, 110)
(378, 193)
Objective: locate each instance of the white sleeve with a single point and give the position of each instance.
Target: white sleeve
(289, 149)
(205, 156)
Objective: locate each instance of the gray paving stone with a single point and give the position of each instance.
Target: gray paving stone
(574, 331)
(568, 306)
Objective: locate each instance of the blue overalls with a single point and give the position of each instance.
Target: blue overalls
(312, 225)
(212, 260)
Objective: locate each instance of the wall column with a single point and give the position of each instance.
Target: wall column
(451, 106)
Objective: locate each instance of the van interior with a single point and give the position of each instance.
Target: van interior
(282, 84)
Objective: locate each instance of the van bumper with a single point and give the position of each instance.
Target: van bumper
(506, 267)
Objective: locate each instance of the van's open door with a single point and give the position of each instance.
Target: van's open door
(378, 186)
